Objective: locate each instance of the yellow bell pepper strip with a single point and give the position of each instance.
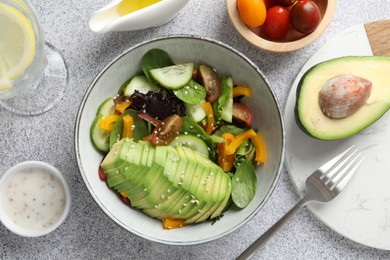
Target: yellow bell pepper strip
(169, 223)
(225, 161)
(121, 107)
(261, 151)
(242, 91)
(210, 117)
(232, 147)
(128, 126)
(107, 123)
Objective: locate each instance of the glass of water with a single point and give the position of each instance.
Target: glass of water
(33, 73)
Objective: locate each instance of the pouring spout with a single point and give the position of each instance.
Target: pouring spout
(100, 20)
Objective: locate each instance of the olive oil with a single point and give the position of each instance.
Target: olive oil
(129, 6)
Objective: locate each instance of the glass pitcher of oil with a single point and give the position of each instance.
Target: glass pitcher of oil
(129, 15)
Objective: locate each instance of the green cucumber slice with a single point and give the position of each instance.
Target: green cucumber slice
(154, 59)
(140, 83)
(107, 107)
(173, 77)
(225, 100)
(100, 138)
(192, 93)
(196, 112)
(193, 142)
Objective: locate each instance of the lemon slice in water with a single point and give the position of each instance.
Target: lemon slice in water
(17, 44)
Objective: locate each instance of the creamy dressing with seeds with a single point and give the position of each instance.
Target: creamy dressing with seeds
(34, 199)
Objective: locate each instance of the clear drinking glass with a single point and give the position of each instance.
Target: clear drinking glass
(42, 84)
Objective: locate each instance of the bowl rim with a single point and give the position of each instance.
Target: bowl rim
(271, 46)
(113, 61)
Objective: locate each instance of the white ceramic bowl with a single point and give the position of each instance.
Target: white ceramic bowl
(267, 119)
(33, 168)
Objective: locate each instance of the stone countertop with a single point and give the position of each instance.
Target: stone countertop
(88, 233)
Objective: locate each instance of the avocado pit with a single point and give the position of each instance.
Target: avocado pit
(343, 95)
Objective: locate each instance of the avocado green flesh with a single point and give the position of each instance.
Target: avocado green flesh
(167, 182)
(308, 114)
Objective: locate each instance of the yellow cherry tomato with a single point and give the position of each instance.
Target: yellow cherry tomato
(252, 12)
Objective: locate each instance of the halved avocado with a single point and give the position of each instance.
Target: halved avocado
(308, 113)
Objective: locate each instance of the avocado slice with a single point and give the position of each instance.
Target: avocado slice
(116, 157)
(314, 122)
(167, 182)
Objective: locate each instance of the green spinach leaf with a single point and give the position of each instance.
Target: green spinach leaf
(192, 93)
(244, 183)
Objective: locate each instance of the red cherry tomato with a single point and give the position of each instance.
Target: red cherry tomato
(166, 131)
(270, 3)
(242, 115)
(285, 3)
(102, 174)
(305, 16)
(277, 22)
(252, 12)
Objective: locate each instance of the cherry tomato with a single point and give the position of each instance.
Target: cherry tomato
(210, 81)
(166, 131)
(270, 3)
(102, 174)
(242, 115)
(252, 12)
(285, 3)
(305, 16)
(277, 23)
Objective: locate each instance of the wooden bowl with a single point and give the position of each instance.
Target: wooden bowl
(293, 40)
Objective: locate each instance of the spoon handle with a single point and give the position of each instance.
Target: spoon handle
(251, 250)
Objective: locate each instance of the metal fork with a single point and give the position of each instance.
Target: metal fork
(322, 186)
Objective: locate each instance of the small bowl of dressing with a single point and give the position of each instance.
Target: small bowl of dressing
(34, 199)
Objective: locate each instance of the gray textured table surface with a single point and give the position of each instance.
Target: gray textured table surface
(88, 233)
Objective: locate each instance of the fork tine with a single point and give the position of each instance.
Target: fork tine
(348, 172)
(334, 173)
(329, 166)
